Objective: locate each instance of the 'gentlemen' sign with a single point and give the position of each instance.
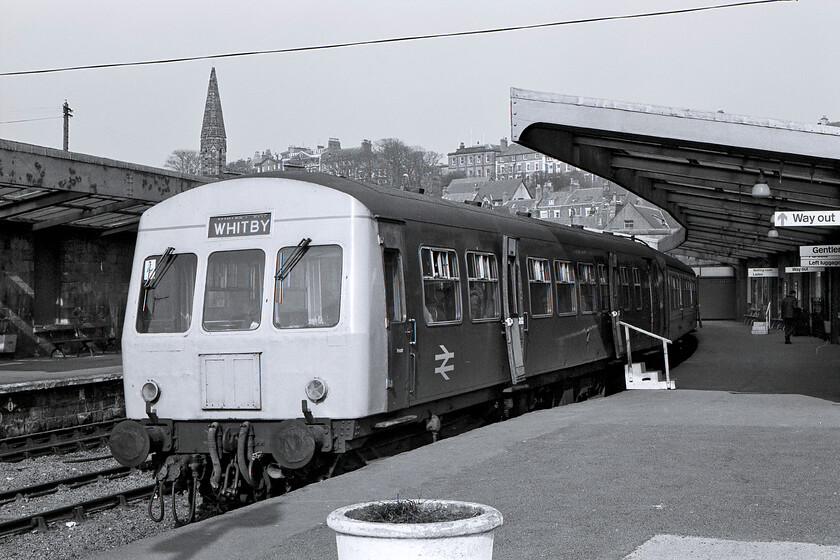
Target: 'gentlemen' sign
(240, 225)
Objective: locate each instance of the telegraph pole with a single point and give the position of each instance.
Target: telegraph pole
(68, 112)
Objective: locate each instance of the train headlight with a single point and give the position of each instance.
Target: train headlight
(150, 392)
(316, 390)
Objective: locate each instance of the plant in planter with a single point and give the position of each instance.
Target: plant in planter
(409, 529)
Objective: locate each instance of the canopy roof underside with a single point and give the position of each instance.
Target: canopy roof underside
(699, 166)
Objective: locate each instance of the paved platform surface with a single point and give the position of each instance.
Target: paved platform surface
(741, 461)
(43, 373)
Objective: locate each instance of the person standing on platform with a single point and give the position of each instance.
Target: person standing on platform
(788, 313)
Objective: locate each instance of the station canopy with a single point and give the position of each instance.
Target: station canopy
(699, 166)
(43, 188)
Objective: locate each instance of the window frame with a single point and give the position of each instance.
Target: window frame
(436, 277)
(626, 303)
(146, 273)
(539, 273)
(560, 281)
(205, 296)
(592, 286)
(278, 286)
(492, 278)
(637, 288)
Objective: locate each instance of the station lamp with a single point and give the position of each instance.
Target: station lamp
(761, 189)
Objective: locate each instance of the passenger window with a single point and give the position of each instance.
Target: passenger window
(604, 282)
(539, 287)
(675, 291)
(637, 288)
(233, 291)
(166, 293)
(564, 277)
(441, 286)
(394, 288)
(588, 286)
(625, 287)
(483, 279)
(310, 294)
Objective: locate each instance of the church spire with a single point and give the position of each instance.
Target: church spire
(213, 138)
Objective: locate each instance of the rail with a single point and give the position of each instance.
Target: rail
(665, 343)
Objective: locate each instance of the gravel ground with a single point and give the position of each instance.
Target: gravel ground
(67, 539)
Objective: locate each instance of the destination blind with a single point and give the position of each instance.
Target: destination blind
(240, 225)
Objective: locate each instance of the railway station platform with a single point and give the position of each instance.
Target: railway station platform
(43, 373)
(741, 461)
(42, 394)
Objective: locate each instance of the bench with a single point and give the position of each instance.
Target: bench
(64, 336)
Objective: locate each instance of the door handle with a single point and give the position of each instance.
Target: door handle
(412, 332)
(412, 373)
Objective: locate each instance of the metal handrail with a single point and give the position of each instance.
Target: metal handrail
(665, 343)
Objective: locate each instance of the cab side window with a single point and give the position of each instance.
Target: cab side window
(394, 286)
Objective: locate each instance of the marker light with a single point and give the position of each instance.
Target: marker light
(150, 391)
(316, 390)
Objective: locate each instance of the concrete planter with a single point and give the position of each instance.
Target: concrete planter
(470, 538)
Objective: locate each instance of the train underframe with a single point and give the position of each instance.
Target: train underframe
(231, 463)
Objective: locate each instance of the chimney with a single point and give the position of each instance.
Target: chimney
(333, 144)
(461, 147)
(366, 146)
(503, 144)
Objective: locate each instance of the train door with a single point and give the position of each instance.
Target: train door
(615, 306)
(512, 309)
(401, 327)
(656, 281)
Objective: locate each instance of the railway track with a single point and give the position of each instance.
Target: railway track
(43, 489)
(76, 512)
(56, 442)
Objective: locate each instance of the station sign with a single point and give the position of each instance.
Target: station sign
(803, 269)
(820, 218)
(808, 261)
(762, 272)
(819, 251)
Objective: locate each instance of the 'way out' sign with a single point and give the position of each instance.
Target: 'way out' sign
(822, 218)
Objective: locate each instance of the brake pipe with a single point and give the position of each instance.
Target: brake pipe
(246, 439)
(216, 477)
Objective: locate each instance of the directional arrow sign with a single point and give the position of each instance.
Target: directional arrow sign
(823, 218)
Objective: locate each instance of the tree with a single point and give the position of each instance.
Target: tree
(240, 166)
(184, 161)
(408, 167)
(394, 155)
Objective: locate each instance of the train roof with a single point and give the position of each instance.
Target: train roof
(393, 204)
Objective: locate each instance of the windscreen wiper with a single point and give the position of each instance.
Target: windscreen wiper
(162, 267)
(294, 258)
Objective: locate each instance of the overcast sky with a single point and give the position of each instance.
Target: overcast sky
(779, 60)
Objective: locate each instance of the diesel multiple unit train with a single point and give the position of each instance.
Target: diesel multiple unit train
(277, 322)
